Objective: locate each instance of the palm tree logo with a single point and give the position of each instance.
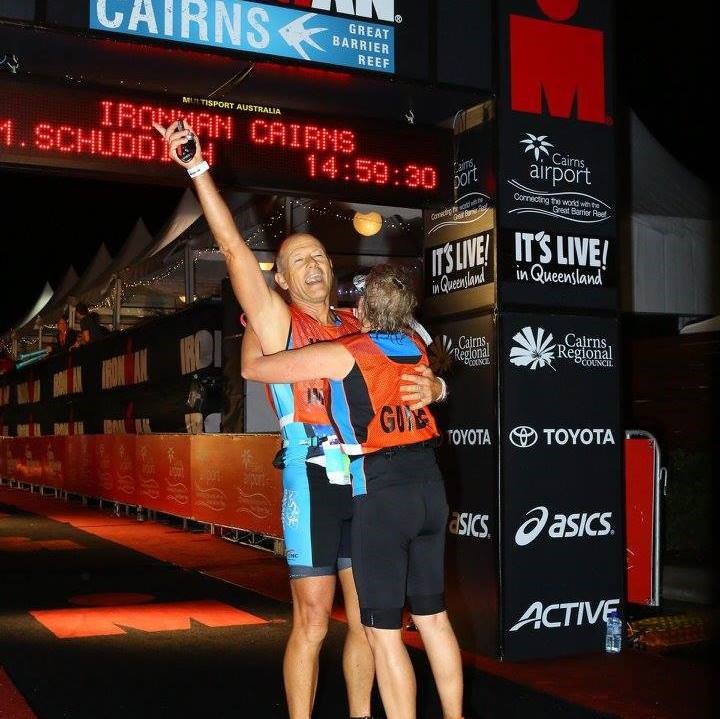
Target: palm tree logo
(536, 144)
(441, 354)
(534, 350)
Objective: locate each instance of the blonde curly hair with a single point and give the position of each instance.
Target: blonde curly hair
(389, 298)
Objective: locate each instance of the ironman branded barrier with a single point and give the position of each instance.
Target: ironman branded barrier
(225, 480)
(645, 485)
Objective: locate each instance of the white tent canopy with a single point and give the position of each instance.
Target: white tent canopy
(57, 307)
(136, 244)
(186, 212)
(674, 244)
(41, 301)
(61, 292)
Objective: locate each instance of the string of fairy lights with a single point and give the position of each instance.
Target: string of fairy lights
(268, 232)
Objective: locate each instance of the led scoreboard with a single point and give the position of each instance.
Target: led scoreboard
(262, 148)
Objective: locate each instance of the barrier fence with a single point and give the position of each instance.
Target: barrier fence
(220, 479)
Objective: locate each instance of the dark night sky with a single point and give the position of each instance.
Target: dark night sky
(663, 65)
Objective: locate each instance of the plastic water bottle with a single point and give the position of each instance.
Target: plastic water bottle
(613, 635)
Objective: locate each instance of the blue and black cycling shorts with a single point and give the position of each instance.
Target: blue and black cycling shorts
(316, 518)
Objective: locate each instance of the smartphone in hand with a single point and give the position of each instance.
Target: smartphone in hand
(187, 150)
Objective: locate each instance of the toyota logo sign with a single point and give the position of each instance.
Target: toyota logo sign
(523, 436)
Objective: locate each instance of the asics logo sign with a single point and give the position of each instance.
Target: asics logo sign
(563, 526)
(565, 614)
(468, 524)
(523, 436)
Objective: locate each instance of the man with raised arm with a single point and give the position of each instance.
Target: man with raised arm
(317, 497)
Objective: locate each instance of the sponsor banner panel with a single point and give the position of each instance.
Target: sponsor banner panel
(55, 468)
(385, 36)
(562, 508)
(460, 238)
(556, 179)
(81, 478)
(162, 465)
(556, 174)
(11, 450)
(104, 476)
(463, 353)
(28, 466)
(573, 269)
(123, 468)
(234, 482)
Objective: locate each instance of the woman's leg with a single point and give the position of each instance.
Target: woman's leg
(395, 675)
(444, 656)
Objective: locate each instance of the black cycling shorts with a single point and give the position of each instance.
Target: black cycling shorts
(398, 537)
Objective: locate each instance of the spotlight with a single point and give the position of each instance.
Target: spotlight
(368, 223)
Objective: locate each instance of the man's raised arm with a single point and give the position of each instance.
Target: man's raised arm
(265, 309)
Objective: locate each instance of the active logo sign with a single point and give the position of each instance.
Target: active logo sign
(565, 614)
(563, 526)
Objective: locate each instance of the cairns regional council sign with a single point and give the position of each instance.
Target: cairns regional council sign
(358, 34)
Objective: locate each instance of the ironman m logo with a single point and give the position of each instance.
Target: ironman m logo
(560, 64)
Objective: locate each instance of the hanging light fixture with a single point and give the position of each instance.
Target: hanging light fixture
(367, 223)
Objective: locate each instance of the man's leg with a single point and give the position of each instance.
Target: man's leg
(358, 663)
(312, 603)
(444, 655)
(395, 675)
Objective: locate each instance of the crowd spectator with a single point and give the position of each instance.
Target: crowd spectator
(66, 336)
(90, 327)
(6, 361)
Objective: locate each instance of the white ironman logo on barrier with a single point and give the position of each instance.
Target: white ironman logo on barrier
(575, 613)
(563, 525)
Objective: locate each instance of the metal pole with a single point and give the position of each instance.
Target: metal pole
(288, 216)
(118, 303)
(189, 273)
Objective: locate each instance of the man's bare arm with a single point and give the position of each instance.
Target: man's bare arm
(420, 388)
(263, 306)
(322, 360)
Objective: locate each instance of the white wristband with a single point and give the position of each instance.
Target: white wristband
(198, 169)
(444, 393)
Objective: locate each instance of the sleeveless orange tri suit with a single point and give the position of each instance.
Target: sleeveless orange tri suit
(317, 502)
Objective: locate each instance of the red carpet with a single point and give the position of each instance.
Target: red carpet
(633, 684)
(12, 703)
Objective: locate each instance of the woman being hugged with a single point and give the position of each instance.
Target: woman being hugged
(400, 509)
